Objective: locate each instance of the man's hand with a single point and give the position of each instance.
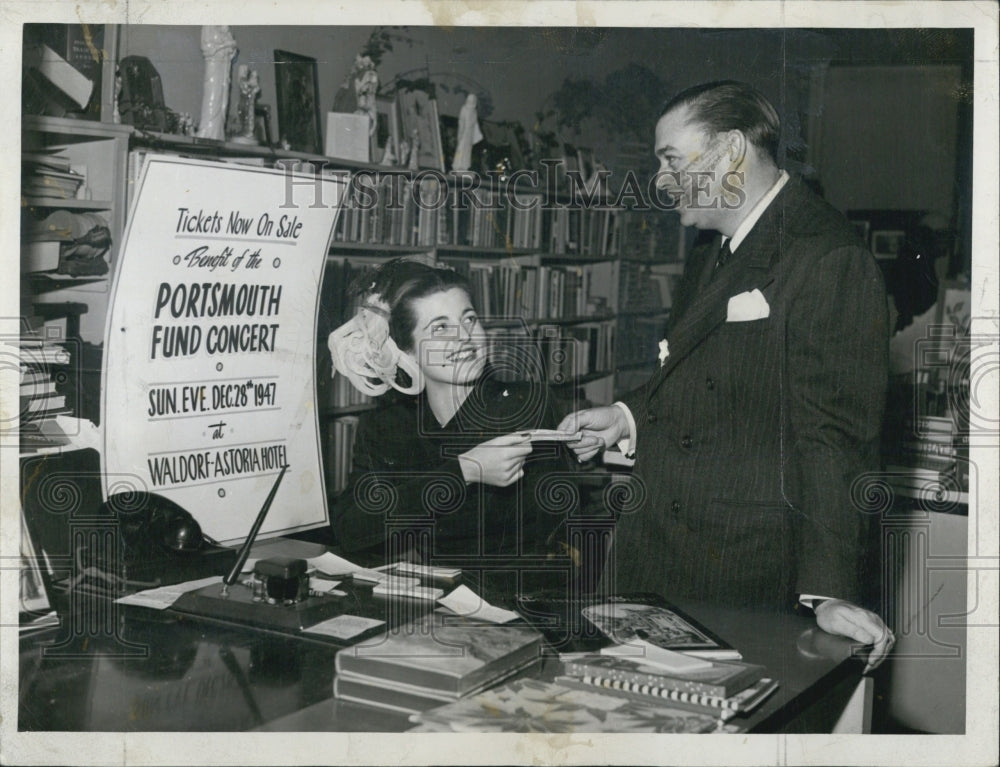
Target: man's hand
(846, 619)
(599, 427)
(498, 461)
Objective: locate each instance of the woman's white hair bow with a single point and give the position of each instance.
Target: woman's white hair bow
(365, 353)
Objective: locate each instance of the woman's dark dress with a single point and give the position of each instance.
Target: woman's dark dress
(408, 498)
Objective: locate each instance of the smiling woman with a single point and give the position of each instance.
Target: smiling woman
(445, 468)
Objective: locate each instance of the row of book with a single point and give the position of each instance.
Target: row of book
(400, 211)
(586, 232)
(462, 674)
(572, 352)
(640, 289)
(932, 451)
(342, 432)
(343, 394)
(638, 340)
(652, 235)
(530, 293)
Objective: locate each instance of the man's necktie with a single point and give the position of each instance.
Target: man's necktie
(724, 255)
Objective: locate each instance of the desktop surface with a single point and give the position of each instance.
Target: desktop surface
(168, 671)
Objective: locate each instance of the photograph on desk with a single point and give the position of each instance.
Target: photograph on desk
(635, 375)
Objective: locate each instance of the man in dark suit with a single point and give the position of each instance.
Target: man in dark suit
(768, 401)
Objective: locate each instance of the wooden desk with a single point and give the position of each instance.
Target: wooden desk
(167, 672)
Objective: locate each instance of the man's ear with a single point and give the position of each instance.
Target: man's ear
(737, 147)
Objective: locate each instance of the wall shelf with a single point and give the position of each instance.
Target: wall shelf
(67, 203)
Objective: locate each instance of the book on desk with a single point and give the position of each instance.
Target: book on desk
(433, 660)
(587, 623)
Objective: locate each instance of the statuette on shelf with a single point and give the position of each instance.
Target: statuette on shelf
(469, 133)
(217, 48)
(365, 88)
(249, 88)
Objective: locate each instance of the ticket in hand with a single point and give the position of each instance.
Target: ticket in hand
(553, 435)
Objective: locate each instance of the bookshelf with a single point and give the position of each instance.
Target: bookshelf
(73, 183)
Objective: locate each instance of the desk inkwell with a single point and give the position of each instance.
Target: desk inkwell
(277, 597)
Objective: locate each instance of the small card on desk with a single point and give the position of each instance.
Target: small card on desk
(344, 626)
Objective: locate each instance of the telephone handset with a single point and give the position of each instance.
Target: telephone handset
(160, 542)
(152, 525)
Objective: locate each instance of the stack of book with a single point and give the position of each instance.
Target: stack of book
(933, 454)
(432, 661)
(718, 688)
(49, 175)
(42, 362)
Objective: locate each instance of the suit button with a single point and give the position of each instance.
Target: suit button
(686, 441)
(710, 384)
(675, 506)
(651, 418)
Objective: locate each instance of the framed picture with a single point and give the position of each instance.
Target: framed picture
(419, 119)
(262, 124)
(387, 129)
(886, 243)
(298, 101)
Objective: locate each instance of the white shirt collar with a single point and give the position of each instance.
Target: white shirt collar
(758, 210)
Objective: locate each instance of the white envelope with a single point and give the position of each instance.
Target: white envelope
(746, 307)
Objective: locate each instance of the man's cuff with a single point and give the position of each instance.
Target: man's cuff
(811, 601)
(627, 445)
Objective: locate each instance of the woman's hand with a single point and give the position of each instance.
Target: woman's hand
(498, 462)
(599, 427)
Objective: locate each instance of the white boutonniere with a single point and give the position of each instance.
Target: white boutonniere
(664, 352)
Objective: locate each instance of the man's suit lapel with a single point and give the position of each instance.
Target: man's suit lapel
(750, 268)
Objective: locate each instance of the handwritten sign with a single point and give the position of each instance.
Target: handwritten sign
(209, 377)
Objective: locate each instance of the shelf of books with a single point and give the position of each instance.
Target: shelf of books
(72, 216)
(45, 357)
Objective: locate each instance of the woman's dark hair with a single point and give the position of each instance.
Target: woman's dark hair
(399, 283)
(730, 105)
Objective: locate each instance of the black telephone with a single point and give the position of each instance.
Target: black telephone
(160, 540)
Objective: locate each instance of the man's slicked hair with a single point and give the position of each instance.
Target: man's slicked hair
(730, 105)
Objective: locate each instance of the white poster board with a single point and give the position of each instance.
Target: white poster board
(209, 374)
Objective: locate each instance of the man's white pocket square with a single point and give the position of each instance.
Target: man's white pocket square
(746, 307)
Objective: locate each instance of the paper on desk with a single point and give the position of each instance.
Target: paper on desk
(163, 597)
(331, 564)
(344, 626)
(322, 585)
(465, 601)
(652, 655)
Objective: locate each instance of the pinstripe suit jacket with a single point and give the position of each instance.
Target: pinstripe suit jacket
(751, 434)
